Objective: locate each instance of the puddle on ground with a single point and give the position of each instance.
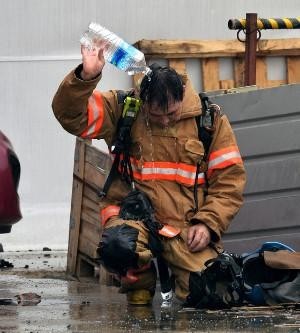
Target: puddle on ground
(71, 306)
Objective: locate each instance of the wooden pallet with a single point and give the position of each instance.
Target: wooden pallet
(91, 167)
(209, 53)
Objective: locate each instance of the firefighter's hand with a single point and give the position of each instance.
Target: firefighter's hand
(198, 237)
(93, 61)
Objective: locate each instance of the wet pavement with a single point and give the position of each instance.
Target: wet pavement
(72, 306)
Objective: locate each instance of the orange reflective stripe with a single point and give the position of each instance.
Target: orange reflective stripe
(223, 158)
(166, 165)
(130, 276)
(184, 173)
(108, 212)
(95, 115)
(222, 151)
(169, 231)
(179, 172)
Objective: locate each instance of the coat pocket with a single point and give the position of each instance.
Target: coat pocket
(192, 152)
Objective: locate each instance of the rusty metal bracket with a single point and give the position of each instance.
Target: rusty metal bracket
(258, 36)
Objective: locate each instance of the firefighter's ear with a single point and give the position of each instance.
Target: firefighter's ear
(183, 87)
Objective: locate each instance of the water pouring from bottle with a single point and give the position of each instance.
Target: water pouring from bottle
(117, 52)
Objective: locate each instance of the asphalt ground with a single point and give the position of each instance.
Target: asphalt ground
(37, 296)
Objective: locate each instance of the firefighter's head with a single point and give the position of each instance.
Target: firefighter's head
(162, 94)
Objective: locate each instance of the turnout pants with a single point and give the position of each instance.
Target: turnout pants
(175, 251)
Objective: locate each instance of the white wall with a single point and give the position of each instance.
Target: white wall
(39, 45)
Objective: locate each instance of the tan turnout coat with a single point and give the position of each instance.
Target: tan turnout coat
(163, 159)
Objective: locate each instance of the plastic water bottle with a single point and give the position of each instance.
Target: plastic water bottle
(117, 51)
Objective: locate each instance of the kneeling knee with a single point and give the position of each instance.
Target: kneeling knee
(117, 248)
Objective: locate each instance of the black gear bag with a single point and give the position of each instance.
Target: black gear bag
(218, 286)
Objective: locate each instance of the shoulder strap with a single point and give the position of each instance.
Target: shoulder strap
(122, 94)
(205, 121)
(122, 143)
(206, 126)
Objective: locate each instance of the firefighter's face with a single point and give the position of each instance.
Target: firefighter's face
(164, 117)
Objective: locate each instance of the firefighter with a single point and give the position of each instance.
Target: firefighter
(165, 150)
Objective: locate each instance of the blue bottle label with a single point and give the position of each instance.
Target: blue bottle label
(118, 57)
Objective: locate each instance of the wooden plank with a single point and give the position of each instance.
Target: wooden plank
(274, 83)
(94, 177)
(261, 72)
(76, 206)
(239, 72)
(88, 268)
(178, 64)
(179, 50)
(189, 48)
(215, 48)
(91, 205)
(98, 158)
(91, 193)
(87, 247)
(276, 47)
(79, 156)
(91, 218)
(293, 69)
(210, 74)
(90, 231)
(226, 84)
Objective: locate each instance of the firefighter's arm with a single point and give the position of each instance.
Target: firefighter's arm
(85, 112)
(71, 99)
(80, 109)
(70, 102)
(226, 181)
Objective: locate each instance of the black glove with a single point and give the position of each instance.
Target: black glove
(137, 206)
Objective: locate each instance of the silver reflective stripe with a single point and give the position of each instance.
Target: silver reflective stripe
(93, 105)
(168, 171)
(223, 158)
(163, 171)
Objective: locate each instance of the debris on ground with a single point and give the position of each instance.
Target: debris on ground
(7, 301)
(5, 264)
(28, 299)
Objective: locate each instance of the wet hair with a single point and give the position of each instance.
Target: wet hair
(160, 85)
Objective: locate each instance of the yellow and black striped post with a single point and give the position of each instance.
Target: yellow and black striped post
(251, 25)
(271, 23)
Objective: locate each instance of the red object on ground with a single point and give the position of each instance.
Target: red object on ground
(9, 180)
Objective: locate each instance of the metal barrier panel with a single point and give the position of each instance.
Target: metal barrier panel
(267, 127)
